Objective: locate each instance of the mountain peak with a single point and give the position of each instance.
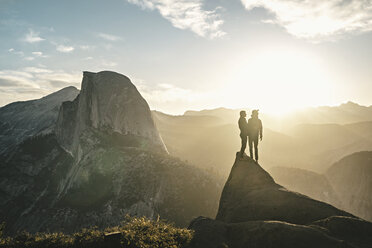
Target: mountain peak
(108, 102)
(20, 120)
(104, 76)
(255, 211)
(351, 106)
(251, 194)
(351, 103)
(69, 92)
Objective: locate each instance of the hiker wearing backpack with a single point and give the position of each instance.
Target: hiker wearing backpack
(254, 131)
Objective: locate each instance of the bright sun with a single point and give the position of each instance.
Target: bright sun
(279, 82)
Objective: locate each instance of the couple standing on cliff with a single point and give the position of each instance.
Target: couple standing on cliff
(251, 130)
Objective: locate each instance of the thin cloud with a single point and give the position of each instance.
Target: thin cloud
(16, 79)
(318, 19)
(109, 37)
(33, 37)
(65, 49)
(36, 70)
(187, 14)
(33, 82)
(106, 63)
(39, 54)
(86, 47)
(169, 97)
(19, 53)
(29, 58)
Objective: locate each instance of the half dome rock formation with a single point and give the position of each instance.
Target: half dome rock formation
(108, 102)
(254, 211)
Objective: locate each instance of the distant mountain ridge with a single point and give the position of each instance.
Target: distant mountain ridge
(346, 184)
(20, 120)
(344, 113)
(306, 182)
(351, 177)
(312, 147)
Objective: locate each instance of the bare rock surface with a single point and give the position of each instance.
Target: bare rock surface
(250, 193)
(108, 101)
(254, 211)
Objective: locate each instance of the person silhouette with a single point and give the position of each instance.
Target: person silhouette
(254, 131)
(243, 126)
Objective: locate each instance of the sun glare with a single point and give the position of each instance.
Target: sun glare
(279, 82)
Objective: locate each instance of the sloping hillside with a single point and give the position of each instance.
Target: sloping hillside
(351, 177)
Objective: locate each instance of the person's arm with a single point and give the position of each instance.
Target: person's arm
(240, 124)
(261, 135)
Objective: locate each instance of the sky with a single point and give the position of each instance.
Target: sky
(275, 55)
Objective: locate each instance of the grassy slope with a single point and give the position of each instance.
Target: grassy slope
(134, 232)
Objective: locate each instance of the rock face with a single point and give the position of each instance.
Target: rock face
(254, 211)
(21, 120)
(108, 102)
(351, 177)
(250, 193)
(103, 159)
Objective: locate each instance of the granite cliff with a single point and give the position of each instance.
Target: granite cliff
(108, 102)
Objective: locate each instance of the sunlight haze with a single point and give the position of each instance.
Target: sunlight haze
(275, 55)
(186, 123)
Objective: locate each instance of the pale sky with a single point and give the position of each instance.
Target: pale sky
(276, 55)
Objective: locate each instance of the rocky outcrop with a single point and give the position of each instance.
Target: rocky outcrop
(250, 193)
(108, 102)
(254, 211)
(351, 177)
(333, 232)
(21, 120)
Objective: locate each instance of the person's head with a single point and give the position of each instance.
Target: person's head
(243, 113)
(254, 113)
